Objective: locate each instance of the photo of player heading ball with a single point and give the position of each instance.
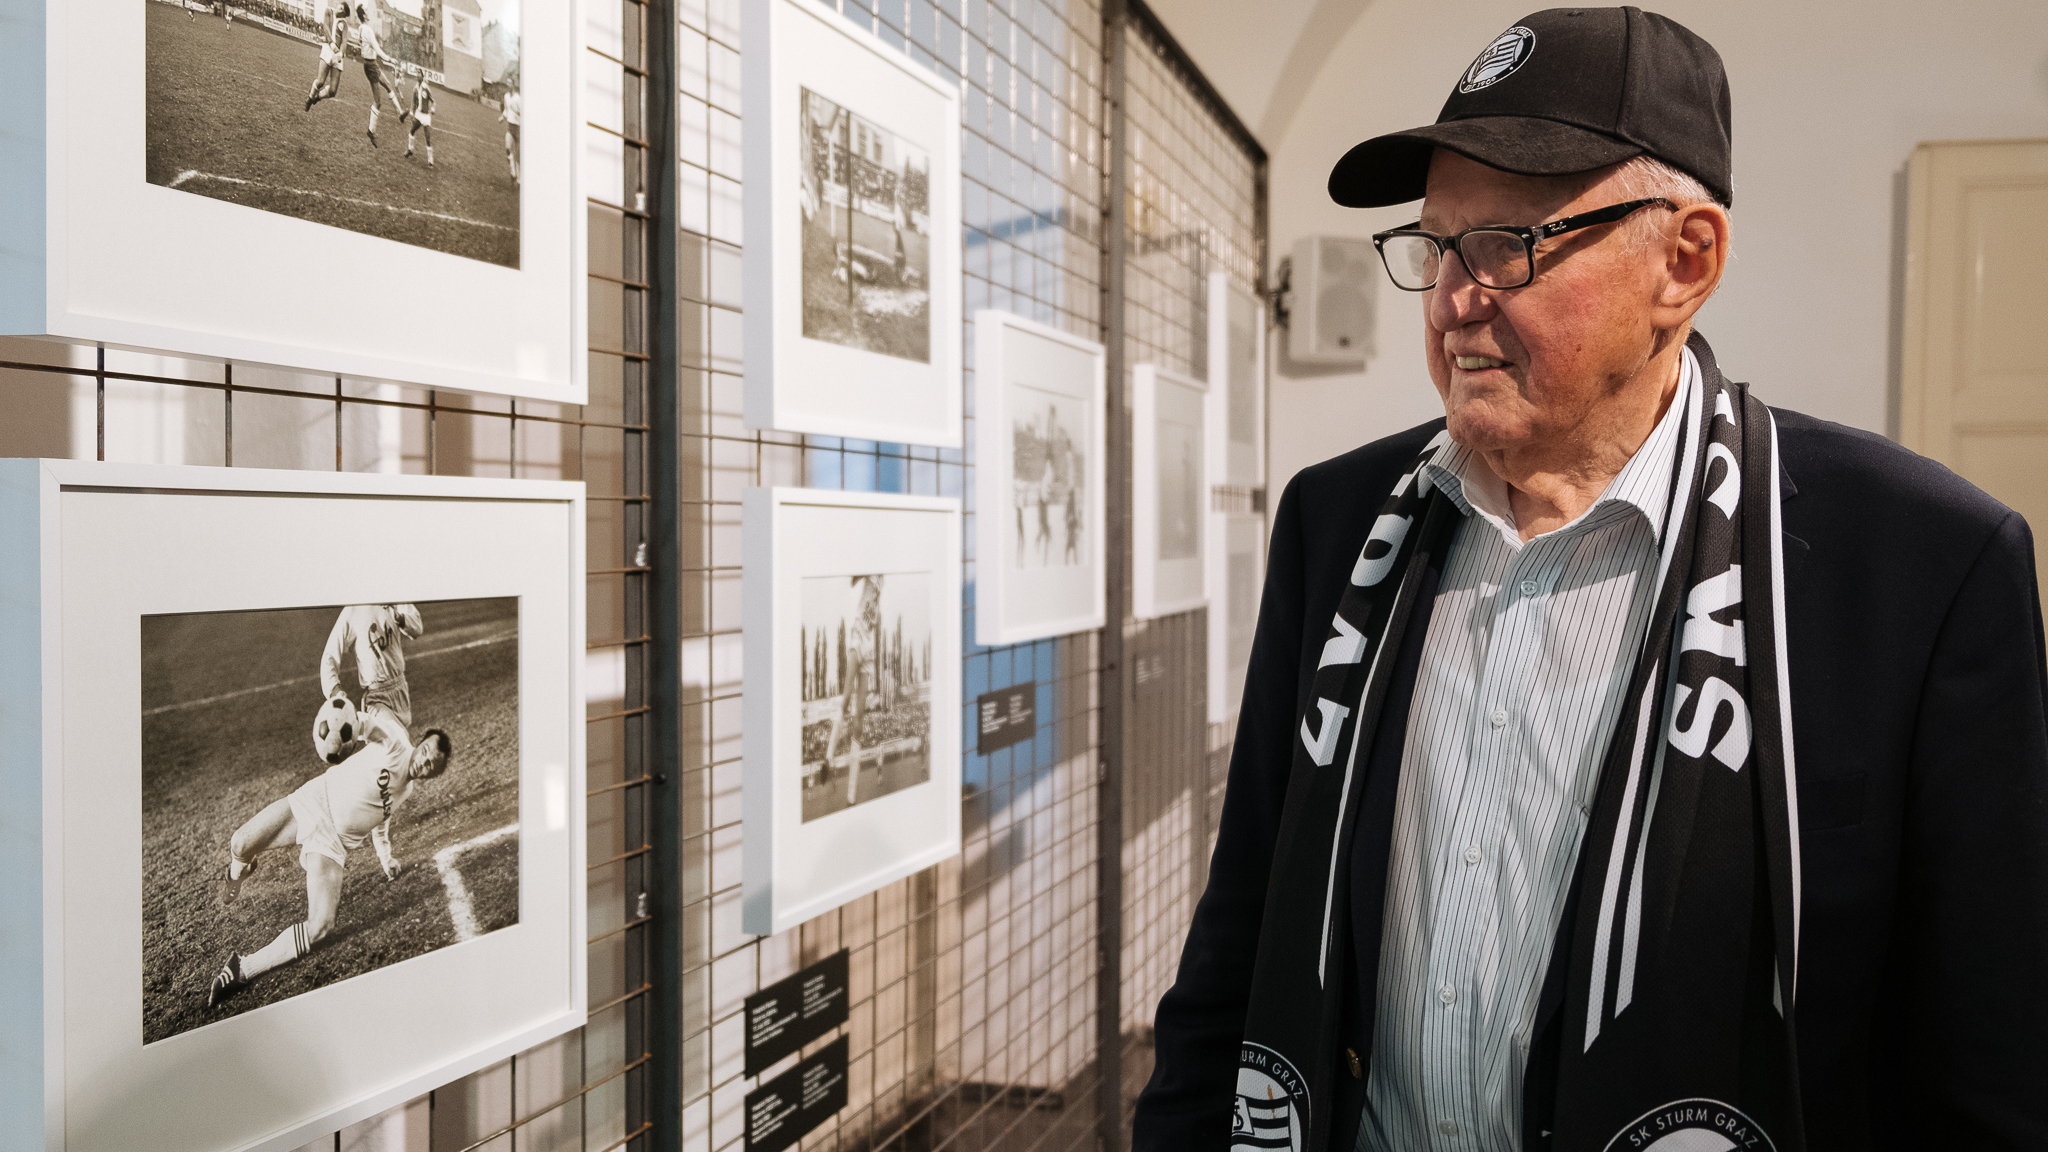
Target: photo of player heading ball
(325, 791)
(395, 118)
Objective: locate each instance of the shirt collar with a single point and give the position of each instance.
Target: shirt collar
(1644, 483)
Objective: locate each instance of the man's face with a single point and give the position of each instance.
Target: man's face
(427, 761)
(1525, 365)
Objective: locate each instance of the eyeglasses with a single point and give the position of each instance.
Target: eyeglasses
(1497, 256)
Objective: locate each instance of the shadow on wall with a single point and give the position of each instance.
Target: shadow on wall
(38, 407)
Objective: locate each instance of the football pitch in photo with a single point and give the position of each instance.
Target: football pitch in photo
(229, 701)
(227, 119)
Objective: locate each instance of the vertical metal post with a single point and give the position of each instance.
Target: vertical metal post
(664, 624)
(227, 400)
(1109, 808)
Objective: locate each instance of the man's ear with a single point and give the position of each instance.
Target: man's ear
(1696, 252)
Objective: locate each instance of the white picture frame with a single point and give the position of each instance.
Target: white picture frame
(1039, 539)
(1237, 446)
(1237, 580)
(1237, 377)
(89, 554)
(864, 365)
(101, 244)
(878, 570)
(1170, 498)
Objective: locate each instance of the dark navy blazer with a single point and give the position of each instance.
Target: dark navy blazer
(1921, 740)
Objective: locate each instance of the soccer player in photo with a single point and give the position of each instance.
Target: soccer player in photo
(369, 640)
(333, 56)
(510, 115)
(341, 809)
(422, 117)
(369, 46)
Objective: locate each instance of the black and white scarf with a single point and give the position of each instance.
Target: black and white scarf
(1679, 960)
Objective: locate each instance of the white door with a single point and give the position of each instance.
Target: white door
(1974, 388)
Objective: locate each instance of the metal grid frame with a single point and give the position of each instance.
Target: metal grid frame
(585, 1090)
(1194, 201)
(978, 984)
(970, 1012)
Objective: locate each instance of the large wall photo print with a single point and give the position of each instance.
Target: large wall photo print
(852, 709)
(296, 831)
(337, 187)
(852, 220)
(1040, 442)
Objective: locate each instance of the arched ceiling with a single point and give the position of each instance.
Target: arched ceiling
(1261, 55)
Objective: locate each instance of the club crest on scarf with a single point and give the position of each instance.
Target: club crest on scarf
(1272, 1103)
(1696, 1125)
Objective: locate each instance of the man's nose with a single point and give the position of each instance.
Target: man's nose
(1457, 299)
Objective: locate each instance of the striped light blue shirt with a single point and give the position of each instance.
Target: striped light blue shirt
(1523, 671)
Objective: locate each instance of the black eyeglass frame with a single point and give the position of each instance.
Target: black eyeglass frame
(1529, 236)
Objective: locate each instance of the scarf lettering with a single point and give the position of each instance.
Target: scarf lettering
(1323, 748)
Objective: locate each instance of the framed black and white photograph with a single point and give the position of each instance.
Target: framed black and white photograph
(311, 804)
(1237, 444)
(852, 232)
(335, 186)
(1040, 443)
(415, 759)
(1169, 492)
(852, 710)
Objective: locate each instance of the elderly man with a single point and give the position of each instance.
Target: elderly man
(1624, 764)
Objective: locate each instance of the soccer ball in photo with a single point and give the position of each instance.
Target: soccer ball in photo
(335, 727)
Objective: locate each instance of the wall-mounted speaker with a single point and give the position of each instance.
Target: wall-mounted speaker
(1332, 285)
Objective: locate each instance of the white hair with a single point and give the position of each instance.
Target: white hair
(1646, 176)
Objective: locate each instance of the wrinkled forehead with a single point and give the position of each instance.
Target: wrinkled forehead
(1464, 193)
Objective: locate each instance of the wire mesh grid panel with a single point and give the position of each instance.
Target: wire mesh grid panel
(582, 1090)
(1192, 208)
(971, 1017)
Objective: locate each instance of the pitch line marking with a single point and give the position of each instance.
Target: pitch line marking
(296, 680)
(459, 910)
(196, 174)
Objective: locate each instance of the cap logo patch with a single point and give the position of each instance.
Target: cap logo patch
(1509, 51)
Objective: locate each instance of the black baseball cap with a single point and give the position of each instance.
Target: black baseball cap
(1565, 90)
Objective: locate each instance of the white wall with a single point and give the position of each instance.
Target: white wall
(1829, 97)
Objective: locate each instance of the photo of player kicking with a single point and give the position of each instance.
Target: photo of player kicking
(422, 118)
(343, 808)
(333, 58)
(233, 795)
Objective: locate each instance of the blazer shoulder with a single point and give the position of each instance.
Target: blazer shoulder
(1370, 468)
(1869, 477)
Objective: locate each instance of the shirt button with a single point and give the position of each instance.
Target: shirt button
(1472, 855)
(1448, 995)
(1447, 1127)
(1528, 589)
(1499, 717)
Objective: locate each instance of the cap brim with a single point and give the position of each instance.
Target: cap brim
(1394, 169)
